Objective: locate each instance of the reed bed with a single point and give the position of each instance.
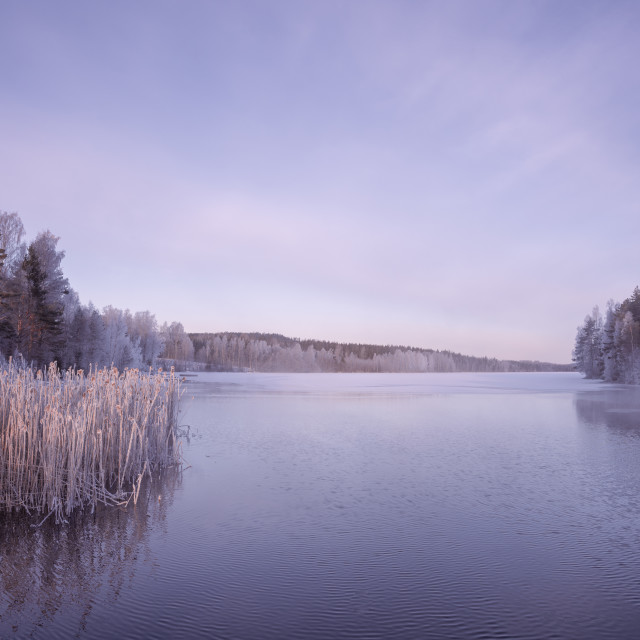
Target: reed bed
(70, 439)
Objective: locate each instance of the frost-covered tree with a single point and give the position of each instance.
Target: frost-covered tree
(98, 348)
(143, 331)
(12, 252)
(271, 352)
(627, 338)
(177, 344)
(611, 350)
(11, 243)
(588, 353)
(78, 340)
(40, 306)
(121, 350)
(42, 318)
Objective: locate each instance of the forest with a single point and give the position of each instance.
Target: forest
(607, 347)
(42, 320)
(271, 352)
(67, 439)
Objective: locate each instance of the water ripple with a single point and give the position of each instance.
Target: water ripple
(364, 514)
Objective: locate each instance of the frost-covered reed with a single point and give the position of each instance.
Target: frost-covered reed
(73, 439)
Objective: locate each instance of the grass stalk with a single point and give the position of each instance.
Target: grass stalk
(70, 440)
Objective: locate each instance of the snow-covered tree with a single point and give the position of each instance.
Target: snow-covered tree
(177, 344)
(12, 252)
(143, 330)
(12, 246)
(588, 352)
(611, 370)
(610, 349)
(122, 351)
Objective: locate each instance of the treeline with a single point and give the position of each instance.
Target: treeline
(609, 347)
(272, 352)
(43, 321)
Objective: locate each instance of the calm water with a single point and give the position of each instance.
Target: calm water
(359, 506)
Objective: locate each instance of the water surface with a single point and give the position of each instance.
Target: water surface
(359, 506)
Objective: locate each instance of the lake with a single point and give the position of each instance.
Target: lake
(359, 506)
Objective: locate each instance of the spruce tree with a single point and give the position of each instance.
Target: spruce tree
(41, 330)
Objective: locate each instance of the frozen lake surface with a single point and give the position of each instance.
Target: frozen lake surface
(359, 506)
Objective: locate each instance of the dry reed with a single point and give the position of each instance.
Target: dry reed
(69, 440)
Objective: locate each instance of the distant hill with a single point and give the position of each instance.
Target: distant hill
(229, 351)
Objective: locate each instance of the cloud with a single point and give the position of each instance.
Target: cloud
(429, 172)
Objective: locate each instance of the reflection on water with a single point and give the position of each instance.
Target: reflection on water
(347, 507)
(617, 408)
(48, 568)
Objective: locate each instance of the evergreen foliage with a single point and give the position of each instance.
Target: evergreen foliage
(42, 320)
(610, 349)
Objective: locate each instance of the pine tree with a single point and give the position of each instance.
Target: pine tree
(610, 348)
(588, 352)
(40, 326)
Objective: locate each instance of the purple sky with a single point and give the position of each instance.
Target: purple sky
(453, 175)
